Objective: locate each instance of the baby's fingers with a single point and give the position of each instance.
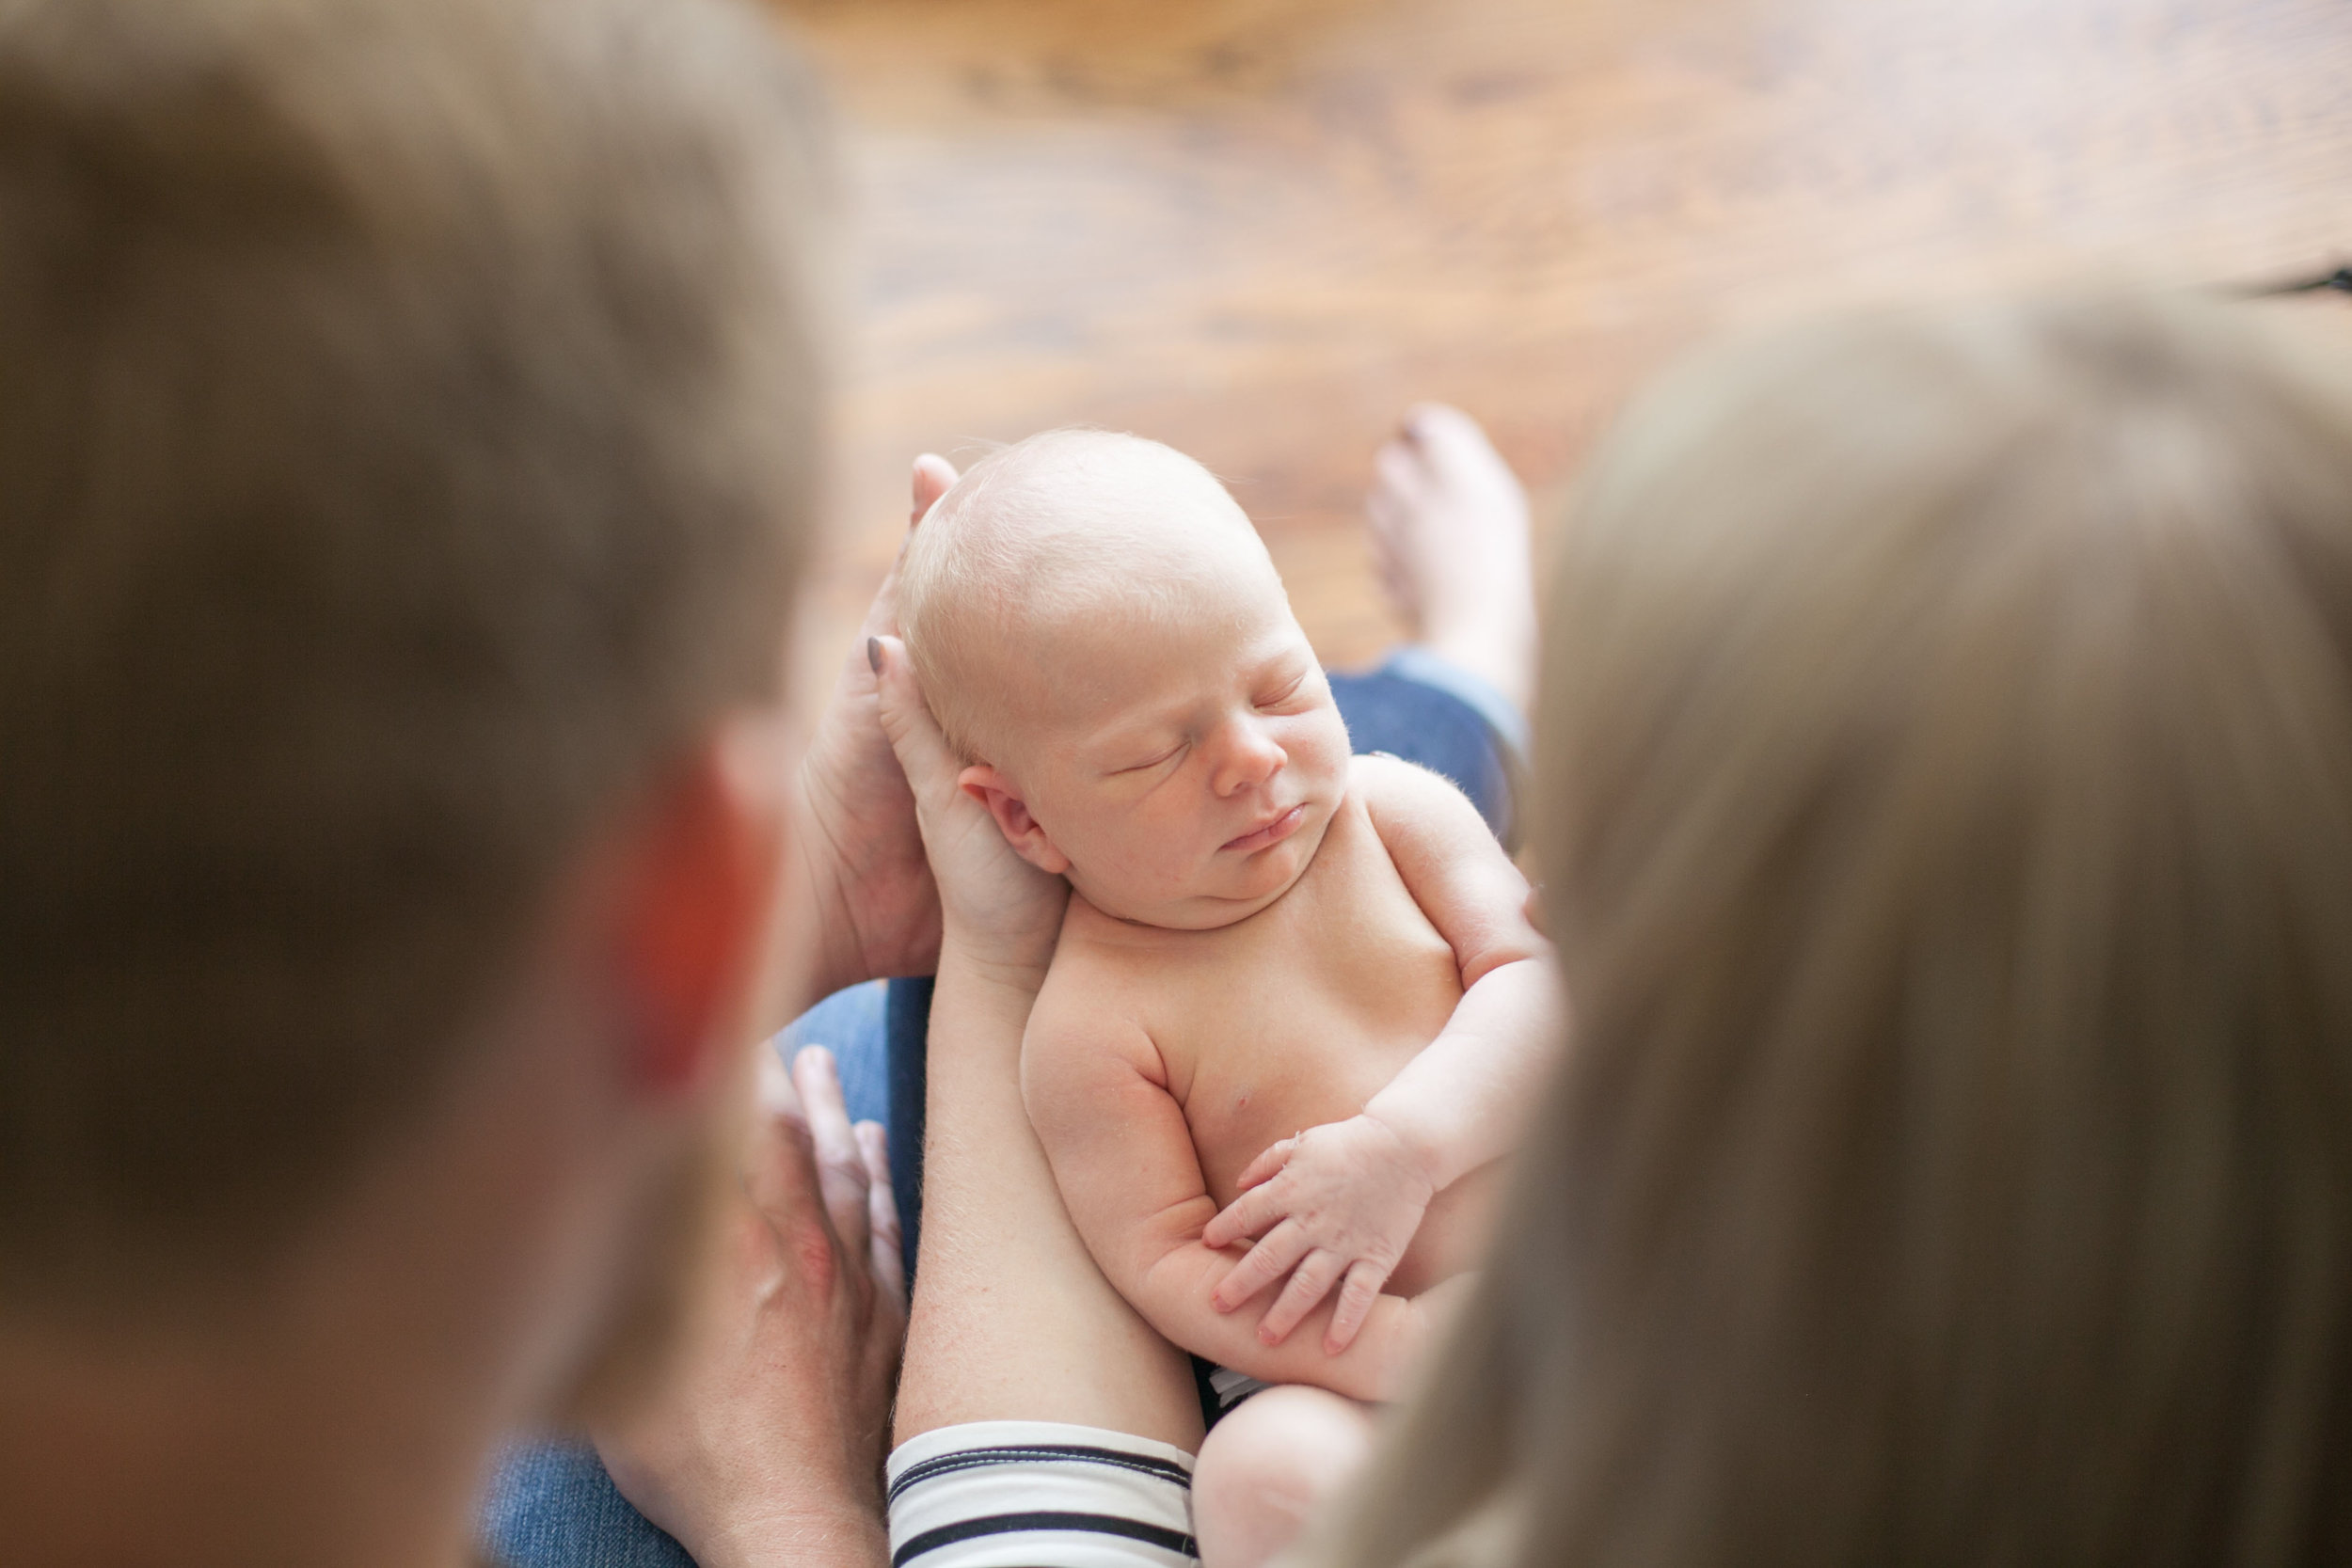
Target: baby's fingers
(1309, 1285)
(1358, 1293)
(1268, 1165)
(1253, 1213)
(1268, 1261)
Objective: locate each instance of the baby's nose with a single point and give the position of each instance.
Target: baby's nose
(1250, 757)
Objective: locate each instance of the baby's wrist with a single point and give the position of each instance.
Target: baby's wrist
(1421, 1152)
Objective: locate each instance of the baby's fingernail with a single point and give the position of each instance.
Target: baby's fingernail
(873, 653)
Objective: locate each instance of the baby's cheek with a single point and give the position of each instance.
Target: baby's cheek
(1159, 853)
(1325, 749)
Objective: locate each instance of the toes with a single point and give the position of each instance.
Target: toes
(1434, 422)
(1385, 519)
(1400, 467)
(1448, 436)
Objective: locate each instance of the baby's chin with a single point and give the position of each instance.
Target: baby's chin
(1229, 893)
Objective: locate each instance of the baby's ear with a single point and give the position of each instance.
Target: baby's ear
(993, 790)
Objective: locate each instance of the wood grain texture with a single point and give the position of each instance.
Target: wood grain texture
(1258, 231)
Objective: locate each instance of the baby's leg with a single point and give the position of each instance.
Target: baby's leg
(1265, 1466)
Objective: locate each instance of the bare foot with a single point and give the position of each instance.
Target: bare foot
(1449, 531)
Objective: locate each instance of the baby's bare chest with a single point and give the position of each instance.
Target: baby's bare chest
(1300, 1015)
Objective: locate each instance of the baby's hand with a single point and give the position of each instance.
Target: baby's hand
(1336, 1203)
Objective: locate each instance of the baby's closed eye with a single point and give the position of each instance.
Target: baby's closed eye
(1283, 693)
(1156, 759)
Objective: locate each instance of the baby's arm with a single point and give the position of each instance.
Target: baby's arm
(1124, 1158)
(1338, 1205)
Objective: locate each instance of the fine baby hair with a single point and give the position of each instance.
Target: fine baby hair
(1068, 523)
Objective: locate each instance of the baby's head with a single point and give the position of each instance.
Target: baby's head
(1101, 636)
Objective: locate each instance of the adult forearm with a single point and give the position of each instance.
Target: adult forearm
(1011, 1319)
(843, 1531)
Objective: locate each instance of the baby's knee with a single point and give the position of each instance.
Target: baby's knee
(1265, 1466)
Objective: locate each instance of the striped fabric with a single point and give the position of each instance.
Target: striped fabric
(1039, 1494)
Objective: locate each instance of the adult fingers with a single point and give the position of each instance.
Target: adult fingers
(1266, 1262)
(930, 768)
(881, 1214)
(933, 477)
(780, 1175)
(1250, 1214)
(774, 1085)
(840, 1168)
(1358, 1292)
(1310, 1283)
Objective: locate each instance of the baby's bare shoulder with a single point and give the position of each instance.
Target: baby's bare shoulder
(1409, 803)
(1450, 863)
(1098, 978)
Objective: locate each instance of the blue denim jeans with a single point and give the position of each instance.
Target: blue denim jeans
(553, 1505)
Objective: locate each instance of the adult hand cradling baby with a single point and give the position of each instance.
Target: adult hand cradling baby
(1002, 912)
(863, 855)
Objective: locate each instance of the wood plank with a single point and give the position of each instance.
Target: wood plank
(1258, 231)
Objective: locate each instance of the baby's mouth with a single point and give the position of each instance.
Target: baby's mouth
(1271, 833)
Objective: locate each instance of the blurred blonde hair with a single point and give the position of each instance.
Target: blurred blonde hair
(408, 443)
(1945, 808)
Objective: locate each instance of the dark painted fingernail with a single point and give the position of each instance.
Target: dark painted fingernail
(873, 653)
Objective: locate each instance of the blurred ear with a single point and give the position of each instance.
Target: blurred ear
(696, 893)
(995, 791)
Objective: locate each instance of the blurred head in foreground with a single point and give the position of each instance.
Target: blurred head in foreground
(1946, 805)
(405, 450)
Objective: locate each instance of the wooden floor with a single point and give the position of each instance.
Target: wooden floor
(1258, 231)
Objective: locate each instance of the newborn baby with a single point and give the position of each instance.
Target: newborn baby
(1264, 935)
